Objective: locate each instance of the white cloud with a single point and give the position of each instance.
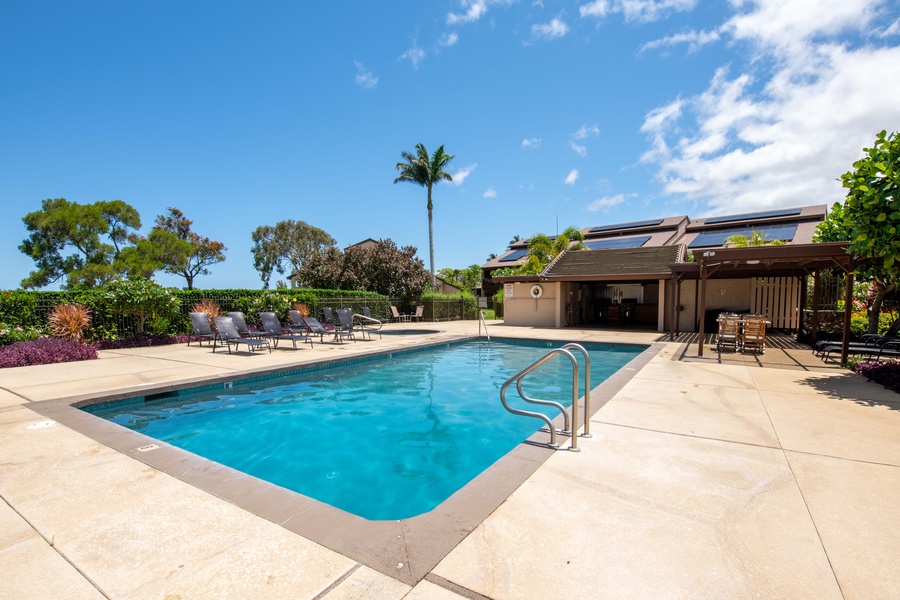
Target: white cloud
(489, 193)
(473, 10)
(531, 143)
(415, 55)
(556, 28)
(586, 131)
(460, 176)
(572, 177)
(694, 40)
(449, 39)
(364, 77)
(606, 202)
(637, 10)
(783, 135)
(598, 8)
(578, 148)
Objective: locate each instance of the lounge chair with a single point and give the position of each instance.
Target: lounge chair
(345, 323)
(297, 324)
(368, 324)
(420, 312)
(228, 333)
(398, 316)
(275, 331)
(329, 317)
(201, 329)
(729, 332)
(240, 323)
(366, 312)
(316, 328)
(888, 349)
(753, 334)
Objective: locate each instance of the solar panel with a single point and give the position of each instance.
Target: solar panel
(756, 215)
(709, 239)
(618, 242)
(514, 255)
(631, 225)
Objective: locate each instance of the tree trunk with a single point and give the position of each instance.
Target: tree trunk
(431, 239)
(875, 308)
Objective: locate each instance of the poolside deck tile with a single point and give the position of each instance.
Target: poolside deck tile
(425, 590)
(857, 526)
(8, 400)
(736, 376)
(369, 584)
(835, 384)
(641, 514)
(723, 413)
(839, 427)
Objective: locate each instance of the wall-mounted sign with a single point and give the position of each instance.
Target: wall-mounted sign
(508, 290)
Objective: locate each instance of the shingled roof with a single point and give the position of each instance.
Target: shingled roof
(613, 264)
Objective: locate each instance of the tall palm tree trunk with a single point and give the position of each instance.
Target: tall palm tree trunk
(431, 239)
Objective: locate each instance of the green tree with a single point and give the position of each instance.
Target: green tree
(425, 171)
(465, 279)
(383, 268)
(80, 243)
(287, 245)
(543, 249)
(870, 219)
(195, 256)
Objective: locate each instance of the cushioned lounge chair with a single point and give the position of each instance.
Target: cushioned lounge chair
(275, 331)
(201, 329)
(316, 328)
(228, 333)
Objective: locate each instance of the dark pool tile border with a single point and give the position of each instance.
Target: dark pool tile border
(407, 549)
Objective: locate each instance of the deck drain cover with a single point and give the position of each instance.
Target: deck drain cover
(40, 425)
(148, 448)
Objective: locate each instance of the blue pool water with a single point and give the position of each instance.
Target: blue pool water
(388, 437)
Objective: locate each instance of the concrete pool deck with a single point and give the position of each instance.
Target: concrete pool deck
(721, 477)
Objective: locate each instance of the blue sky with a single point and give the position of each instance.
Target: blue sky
(558, 112)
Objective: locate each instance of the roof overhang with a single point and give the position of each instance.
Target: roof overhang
(764, 261)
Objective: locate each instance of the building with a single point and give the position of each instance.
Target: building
(625, 276)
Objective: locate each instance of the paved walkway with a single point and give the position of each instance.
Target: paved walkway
(712, 477)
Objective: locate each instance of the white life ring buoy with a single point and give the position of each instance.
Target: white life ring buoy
(536, 291)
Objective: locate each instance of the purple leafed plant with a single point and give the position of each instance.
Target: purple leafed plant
(141, 340)
(886, 373)
(44, 351)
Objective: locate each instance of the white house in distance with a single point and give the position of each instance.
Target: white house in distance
(625, 277)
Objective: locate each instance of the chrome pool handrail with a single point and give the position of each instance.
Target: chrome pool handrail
(526, 413)
(587, 389)
(482, 322)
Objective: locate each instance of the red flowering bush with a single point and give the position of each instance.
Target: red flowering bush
(886, 373)
(44, 351)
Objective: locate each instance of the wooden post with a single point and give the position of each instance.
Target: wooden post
(848, 309)
(815, 315)
(702, 307)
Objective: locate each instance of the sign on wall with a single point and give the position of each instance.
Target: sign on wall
(508, 290)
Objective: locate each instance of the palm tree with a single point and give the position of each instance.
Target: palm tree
(756, 239)
(542, 250)
(425, 171)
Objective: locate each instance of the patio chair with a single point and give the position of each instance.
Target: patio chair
(398, 316)
(317, 328)
(366, 312)
(754, 334)
(329, 316)
(368, 324)
(240, 323)
(201, 329)
(275, 331)
(228, 333)
(729, 332)
(297, 324)
(420, 312)
(889, 348)
(345, 323)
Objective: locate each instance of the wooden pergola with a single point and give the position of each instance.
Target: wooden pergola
(798, 260)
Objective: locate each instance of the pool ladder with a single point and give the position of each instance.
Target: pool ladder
(481, 322)
(567, 430)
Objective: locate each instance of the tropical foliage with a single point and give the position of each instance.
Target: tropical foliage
(426, 171)
(465, 279)
(543, 249)
(69, 321)
(869, 219)
(141, 298)
(44, 351)
(754, 240)
(383, 268)
(286, 247)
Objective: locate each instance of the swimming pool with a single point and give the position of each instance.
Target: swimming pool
(388, 437)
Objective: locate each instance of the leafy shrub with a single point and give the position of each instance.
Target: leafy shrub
(141, 298)
(10, 334)
(44, 351)
(886, 373)
(141, 340)
(69, 321)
